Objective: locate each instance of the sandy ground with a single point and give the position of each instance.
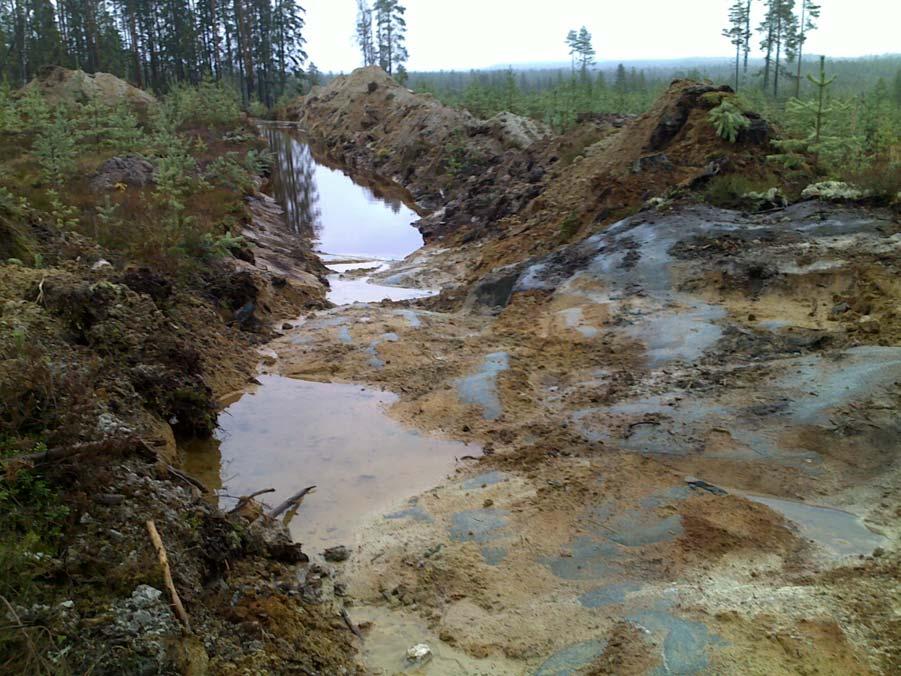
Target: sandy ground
(690, 436)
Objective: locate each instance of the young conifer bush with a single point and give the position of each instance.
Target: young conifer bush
(728, 120)
(54, 147)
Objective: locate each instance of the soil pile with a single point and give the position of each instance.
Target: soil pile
(475, 171)
(671, 148)
(61, 85)
(507, 182)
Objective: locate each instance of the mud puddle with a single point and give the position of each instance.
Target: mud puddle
(288, 434)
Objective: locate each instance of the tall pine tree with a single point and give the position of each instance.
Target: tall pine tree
(736, 32)
(810, 12)
(391, 31)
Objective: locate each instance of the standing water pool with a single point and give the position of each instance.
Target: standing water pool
(287, 434)
(353, 227)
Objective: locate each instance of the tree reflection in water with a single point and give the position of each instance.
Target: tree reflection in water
(294, 182)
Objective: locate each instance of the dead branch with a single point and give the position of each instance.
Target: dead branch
(188, 479)
(350, 625)
(40, 299)
(244, 499)
(157, 541)
(290, 502)
(123, 445)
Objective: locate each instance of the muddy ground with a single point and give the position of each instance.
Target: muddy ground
(683, 419)
(688, 419)
(691, 437)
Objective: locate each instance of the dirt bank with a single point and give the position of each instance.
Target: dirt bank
(103, 363)
(474, 171)
(502, 190)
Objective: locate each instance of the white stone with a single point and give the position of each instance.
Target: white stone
(419, 653)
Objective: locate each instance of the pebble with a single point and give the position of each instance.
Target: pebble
(336, 554)
(419, 653)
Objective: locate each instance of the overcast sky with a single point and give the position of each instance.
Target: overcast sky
(463, 34)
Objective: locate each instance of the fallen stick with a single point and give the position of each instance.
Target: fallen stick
(157, 541)
(350, 625)
(290, 502)
(53, 454)
(188, 479)
(244, 499)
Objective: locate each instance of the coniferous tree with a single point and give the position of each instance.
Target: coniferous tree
(581, 51)
(810, 12)
(746, 47)
(586, 51)
(621, 82)
(736, 32)
(572, 41)
(364, 33)
(779, 29)
(256, 43)
(391, 30)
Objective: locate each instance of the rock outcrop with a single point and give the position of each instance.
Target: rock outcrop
(129, 170)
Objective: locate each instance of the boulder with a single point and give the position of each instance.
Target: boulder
(130, 170)
(514, 130)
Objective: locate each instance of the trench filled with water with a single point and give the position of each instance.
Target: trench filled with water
(286, 433)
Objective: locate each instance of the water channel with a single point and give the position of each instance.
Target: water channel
(287, 434)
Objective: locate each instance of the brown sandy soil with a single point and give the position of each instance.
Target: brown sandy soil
(611, 405)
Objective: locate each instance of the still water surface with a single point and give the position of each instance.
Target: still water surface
(342, 217)
(288, 434)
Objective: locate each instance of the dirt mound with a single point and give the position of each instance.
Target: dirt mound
(671, 147)
(471, 170)
(506, 181)
(58, 85)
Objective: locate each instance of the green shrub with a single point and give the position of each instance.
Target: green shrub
(258, 109)
(54, 148)
(728, 120)
(569, 227)
(734, 191)
(32, 110)
(227, 171)
(209, 104)
(9, 118)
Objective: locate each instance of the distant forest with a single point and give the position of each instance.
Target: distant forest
(627, 88)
